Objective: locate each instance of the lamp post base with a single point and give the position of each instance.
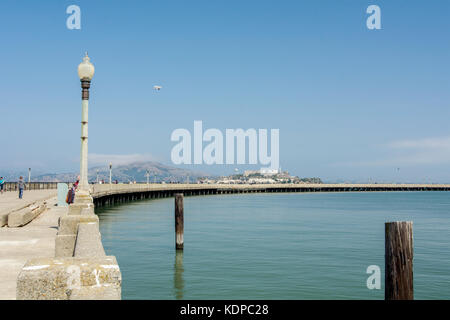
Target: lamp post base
(83, 204)
(80, 211)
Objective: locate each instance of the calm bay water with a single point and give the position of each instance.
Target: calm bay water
(275, 246)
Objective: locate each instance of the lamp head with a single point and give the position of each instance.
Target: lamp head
(86, 69)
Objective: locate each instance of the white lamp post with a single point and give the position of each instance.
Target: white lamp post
(110, 173)
(29, 177)
(85, 72)
(82, 208)
(148, 176)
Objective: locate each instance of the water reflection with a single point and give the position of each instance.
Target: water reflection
(178, 281)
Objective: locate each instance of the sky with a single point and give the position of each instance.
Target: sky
(351, 104)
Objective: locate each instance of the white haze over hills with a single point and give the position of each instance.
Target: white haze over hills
(123, 173)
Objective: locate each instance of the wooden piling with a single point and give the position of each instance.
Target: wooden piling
(398, 280)
(179, 221)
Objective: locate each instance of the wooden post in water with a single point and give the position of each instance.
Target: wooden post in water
(179, 221)
(398, 279)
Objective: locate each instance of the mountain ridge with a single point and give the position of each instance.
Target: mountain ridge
(135, 171)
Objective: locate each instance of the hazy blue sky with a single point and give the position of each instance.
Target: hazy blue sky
(350, 103)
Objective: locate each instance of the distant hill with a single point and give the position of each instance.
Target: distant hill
(130, 172)
(13, 175)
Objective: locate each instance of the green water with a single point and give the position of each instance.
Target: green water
(275, 246)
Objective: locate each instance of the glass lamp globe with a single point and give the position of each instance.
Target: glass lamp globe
(86, 69)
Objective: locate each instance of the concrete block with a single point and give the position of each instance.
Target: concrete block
(96, 293)
(70, 279)
(68, 224)
(3, 219)
(67, 233)
(17, 218)
(89, 241)
(82, 201)
(24, 216)
(64, 245)
(87, 211)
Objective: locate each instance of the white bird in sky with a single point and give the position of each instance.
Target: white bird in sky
(157, 88)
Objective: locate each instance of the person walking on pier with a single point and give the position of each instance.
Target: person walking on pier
(20, 186)
(2, 183)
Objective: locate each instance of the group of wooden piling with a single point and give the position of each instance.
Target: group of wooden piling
(398, 280)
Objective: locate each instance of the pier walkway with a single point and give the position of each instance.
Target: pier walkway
(36, 239)
(9, 200)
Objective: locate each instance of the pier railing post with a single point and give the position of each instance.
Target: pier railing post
(399, 260)
(179, 221)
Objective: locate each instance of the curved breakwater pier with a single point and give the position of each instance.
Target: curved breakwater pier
(108, 194)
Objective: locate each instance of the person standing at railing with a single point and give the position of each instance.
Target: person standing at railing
(71, 194)
(21, 186)
(74, 189)
(76, 183)
(2, 183)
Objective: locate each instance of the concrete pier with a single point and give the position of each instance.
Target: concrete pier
(109, 194)
(32, 266)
